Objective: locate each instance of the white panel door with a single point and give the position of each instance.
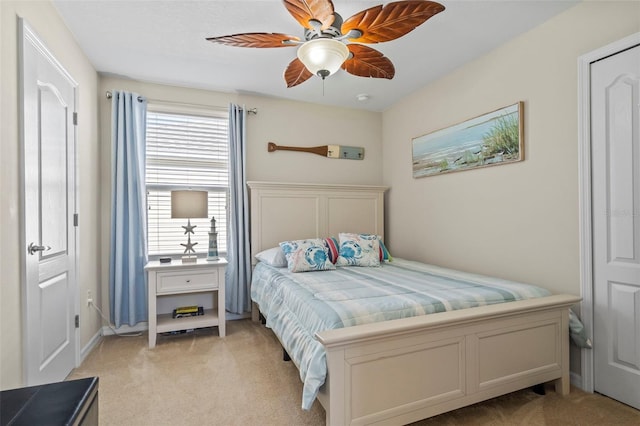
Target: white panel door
(49, 256)
(615, 110)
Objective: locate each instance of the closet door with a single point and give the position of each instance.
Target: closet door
(615, 144)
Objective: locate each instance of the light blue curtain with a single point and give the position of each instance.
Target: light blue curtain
(127, 283)
(238, 274)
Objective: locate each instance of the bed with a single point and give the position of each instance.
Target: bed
(401, 370)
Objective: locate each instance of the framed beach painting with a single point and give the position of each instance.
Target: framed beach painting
(488, 140)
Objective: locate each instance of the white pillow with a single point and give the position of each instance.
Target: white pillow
(359, 250)
(273, 256)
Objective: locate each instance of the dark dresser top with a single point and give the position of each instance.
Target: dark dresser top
(52, 404)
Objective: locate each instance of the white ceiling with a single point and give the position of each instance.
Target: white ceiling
(164, 42)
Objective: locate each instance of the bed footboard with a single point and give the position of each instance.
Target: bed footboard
(401, 371)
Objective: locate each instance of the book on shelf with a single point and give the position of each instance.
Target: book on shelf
(187, 311)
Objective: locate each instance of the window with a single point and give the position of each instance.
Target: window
(185, 151)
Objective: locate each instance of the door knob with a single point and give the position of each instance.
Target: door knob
(33, 248)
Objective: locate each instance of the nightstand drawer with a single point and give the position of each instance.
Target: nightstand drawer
(170, 282)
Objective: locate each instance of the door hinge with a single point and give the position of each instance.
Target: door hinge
(75, 219)
(77, 321)
(75, 118)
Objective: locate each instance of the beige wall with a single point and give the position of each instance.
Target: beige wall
(517, 221)
(303, 124)
(280, 121)
(45, 21)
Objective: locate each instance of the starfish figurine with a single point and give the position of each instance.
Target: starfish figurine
(189, 245)
(189, 228)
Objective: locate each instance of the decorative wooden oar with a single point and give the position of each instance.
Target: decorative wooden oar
(329, 151)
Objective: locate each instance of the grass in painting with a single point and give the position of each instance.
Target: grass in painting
(503, 137)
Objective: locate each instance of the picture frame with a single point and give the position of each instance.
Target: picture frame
(491, 139)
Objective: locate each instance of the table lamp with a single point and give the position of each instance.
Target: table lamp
(189, 205)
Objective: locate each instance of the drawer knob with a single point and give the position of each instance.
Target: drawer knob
(188, 281)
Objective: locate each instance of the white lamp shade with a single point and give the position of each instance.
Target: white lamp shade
(189, 204)
(323, 54)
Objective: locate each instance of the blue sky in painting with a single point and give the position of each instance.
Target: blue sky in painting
(459, 135)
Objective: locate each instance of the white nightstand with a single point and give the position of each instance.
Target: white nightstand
(177, 278)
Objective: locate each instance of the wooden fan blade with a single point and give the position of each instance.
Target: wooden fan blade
(384, 23)
(368, 62)
(296, 73)
(255, 40)
(305, 10)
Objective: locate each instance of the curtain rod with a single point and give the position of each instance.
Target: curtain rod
(110, 95)
(253, 111)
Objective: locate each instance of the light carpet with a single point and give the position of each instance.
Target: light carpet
(202, 379)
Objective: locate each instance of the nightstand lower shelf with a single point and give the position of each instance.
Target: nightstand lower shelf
(167, 323)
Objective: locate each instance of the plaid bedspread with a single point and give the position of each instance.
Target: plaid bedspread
(298, 305)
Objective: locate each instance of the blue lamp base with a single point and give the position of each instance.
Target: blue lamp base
(212, 254)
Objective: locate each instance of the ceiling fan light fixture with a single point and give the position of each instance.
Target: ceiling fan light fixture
(323, 56)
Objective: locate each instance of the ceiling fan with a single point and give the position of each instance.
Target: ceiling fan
(324, 51)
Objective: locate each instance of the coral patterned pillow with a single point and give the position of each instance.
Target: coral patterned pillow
(359, 250)
(306, 255)
(333, 249)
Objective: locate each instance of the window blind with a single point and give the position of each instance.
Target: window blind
(185, 151)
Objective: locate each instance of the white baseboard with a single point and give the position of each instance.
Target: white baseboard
(93, 342)
(232, 317)
(125, 329)
(576, 380)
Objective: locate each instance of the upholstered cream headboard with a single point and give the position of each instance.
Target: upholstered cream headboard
(292, 211)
